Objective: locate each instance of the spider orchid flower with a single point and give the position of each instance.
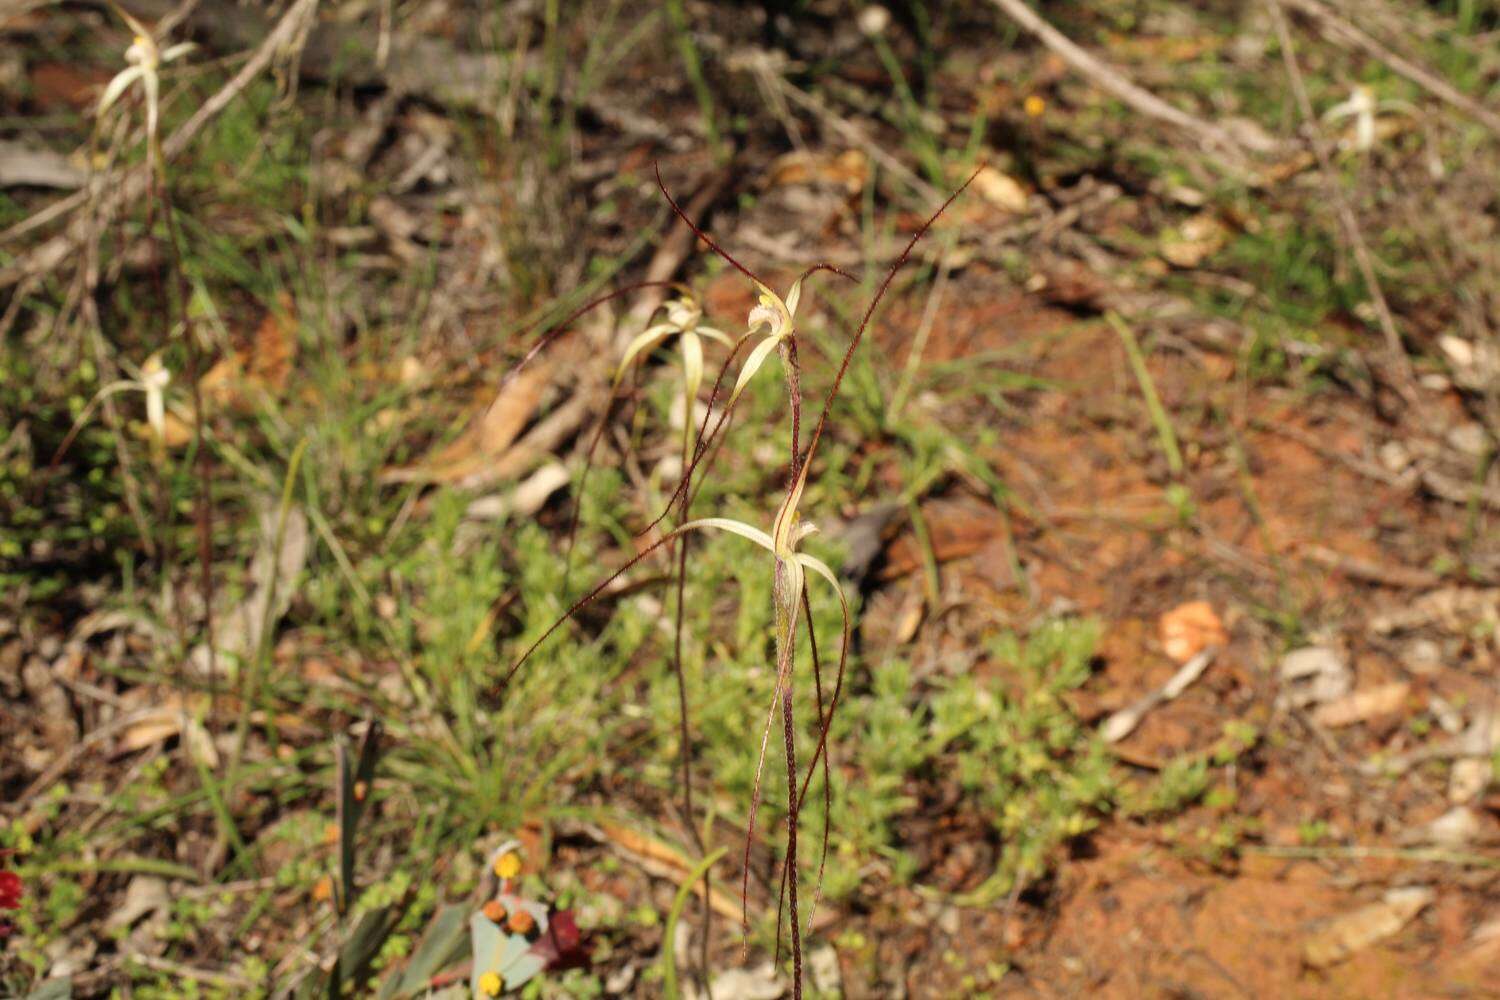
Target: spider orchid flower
(1362, 106)
(685, 320)
(154, 380)
(151, 382)
(778, 317)
(145, 59)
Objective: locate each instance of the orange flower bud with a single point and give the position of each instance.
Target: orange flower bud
(522, 922)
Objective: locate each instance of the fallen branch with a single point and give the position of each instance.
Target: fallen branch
(1139, 99)
(1368, 571)
(23, 166)
(1124, 722)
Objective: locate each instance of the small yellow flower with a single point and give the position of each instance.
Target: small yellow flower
(490, 984)
(508, 865)
(1035, 106)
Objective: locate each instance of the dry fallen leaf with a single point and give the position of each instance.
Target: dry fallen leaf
(913, 610)
(849, 169)
(662, 860)
(1456, 609)
(1000, 189)
(1197, 239)
(176, 432)
(1475, 365)
(1458, 827)
(272, 585)
(494, 430)
(1190, 628)
(762, 982)
(1347, 934)
(1313, 675)
(156, 725)
(239, 380)
(151, 728)
(1469, 779)
(525, 499)
(1364, 704)
(145, 895)
(1124, 722)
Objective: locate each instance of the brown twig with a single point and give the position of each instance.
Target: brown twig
(1139, 99)
(1404, 577)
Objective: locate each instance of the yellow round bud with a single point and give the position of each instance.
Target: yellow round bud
(508, 865)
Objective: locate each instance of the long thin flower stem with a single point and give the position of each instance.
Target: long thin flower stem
(793, 806)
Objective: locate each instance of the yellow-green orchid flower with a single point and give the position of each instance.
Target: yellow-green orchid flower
(778, 317)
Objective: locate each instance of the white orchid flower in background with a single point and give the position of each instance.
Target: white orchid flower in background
(1362, 106)
(145, 59)
(684, 318)
(151, 381)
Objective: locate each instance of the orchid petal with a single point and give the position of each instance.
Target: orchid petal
(692, 369)
(793, 297)
(786, 514)
(715, 334)
(692, 378)
(642, 342)
(752, 365)
(136, 27)
(819, 567)
(152, 98)
(764, 315)
(177, 51)
(795, 580)
(118, 85)
(733, 527)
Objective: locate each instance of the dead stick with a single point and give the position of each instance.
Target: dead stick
(1141, 100)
